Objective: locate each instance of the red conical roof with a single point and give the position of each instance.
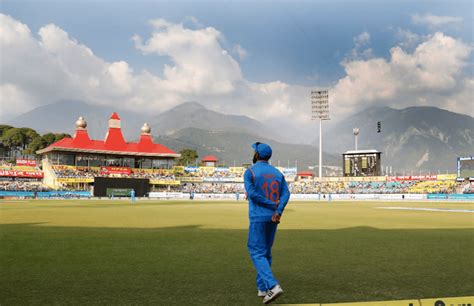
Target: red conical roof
(145, 143)
(115, 116)
(114, 143)
(209, 158)
(81, 138)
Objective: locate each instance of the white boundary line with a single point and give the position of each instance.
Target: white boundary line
(428, 209)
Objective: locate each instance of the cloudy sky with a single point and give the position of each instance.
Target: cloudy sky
(260, 59)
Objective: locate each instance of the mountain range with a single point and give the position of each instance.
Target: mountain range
(60, 117)
(233, 147)
(411, 139)
(195, 115)
(188, 125)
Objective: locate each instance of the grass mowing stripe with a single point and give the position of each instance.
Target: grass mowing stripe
(47, 264)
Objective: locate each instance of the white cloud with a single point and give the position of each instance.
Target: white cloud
(240, 51)
(434, 20)
(52, 66)
(361, 41)
(433, 72)
(43, 68)
(407, 39)
(462, 99)
(193, 21)
(201, 65)
(11, 95)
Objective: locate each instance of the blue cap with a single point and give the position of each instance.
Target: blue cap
(264, 150)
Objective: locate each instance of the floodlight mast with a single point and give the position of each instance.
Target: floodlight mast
(320, 110)
(356, 132)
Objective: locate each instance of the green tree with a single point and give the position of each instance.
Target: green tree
(3, 128)
(18, 139)
(188, 156)
(13, 139)
(44, 141)
(30, 134)
(37, 144)
(49, 138)
(60, 136)
(3, 148)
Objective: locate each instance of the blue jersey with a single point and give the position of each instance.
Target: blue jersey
(267, 191)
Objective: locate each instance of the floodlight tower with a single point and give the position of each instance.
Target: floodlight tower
(320, 110)
(356, 132)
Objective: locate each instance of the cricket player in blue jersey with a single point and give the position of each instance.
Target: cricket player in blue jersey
(268, 194)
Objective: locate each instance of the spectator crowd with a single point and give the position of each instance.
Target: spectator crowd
(211, 182)
(89, 172)
(22, 186)
(213, 188)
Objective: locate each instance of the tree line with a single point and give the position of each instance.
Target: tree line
(25, 141)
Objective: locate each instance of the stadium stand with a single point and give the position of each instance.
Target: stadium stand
(213, 188)
(379, 187)
(22, 186)
(433, 187)
(24, 175)
(75, 172)
(465, 188)
(91, 172)
(311, 186)
(4, 165)
(73, 163)
(374, 187)
(222, 180)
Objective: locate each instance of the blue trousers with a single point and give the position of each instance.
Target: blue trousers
(259, 244)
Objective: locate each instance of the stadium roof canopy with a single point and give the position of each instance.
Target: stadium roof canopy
(209, 158)
(362, 151)
(114, 142)
(305, 173)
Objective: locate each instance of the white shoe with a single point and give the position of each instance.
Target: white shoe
(273, 294)
(261, 293)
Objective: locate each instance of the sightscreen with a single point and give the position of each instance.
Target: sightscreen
(105, 186)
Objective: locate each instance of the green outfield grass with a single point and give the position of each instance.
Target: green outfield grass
(182, 252)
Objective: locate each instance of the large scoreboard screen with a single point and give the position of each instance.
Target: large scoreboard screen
(360, 163)
(466, 167)
(107, 186)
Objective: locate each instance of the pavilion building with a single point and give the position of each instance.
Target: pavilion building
(111, 155)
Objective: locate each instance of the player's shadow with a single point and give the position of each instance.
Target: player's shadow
(192, 265)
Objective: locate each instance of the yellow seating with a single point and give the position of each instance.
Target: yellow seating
(433, 187)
